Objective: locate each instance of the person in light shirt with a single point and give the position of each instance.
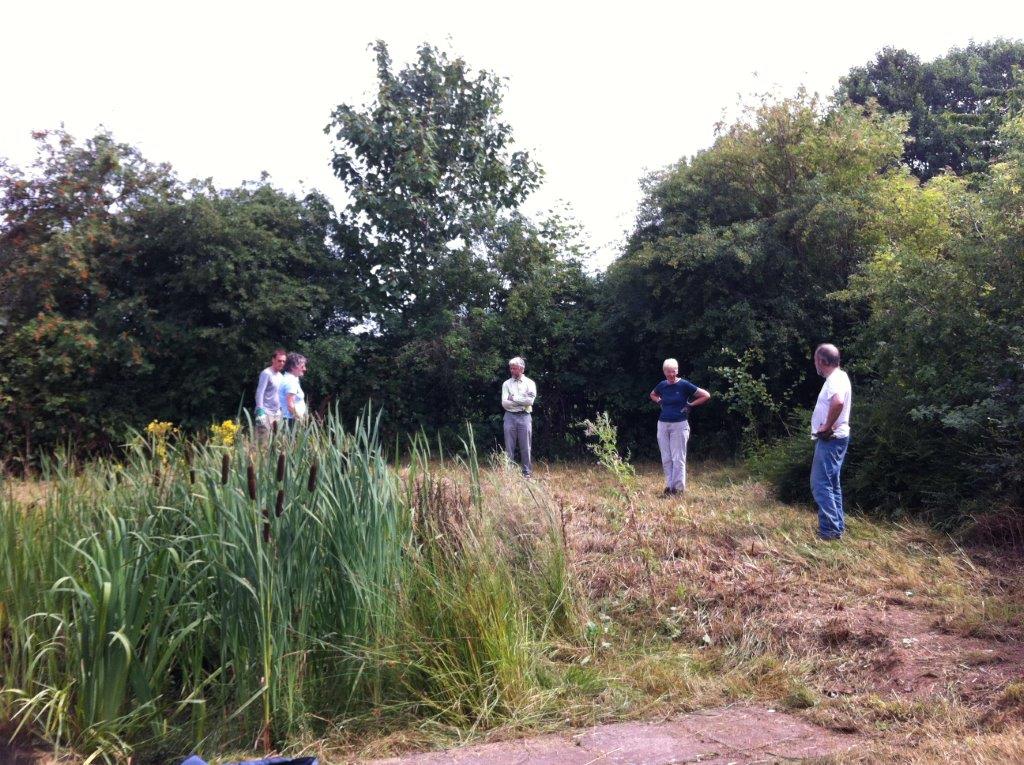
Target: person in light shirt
(517, 396)
(293, 400)
(830, 429)
(268, 402)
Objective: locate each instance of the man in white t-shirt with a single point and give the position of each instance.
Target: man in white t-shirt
(830, 429)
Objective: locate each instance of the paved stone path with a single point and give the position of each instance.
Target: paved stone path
(739, 734)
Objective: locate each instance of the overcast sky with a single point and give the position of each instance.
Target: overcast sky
(600, 96)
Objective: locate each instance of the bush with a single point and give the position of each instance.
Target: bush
(786, 463)
(894, 465)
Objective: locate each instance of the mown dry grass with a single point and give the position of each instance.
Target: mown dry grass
(28, 493)
(897, 633)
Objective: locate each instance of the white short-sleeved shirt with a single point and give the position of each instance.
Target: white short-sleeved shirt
(836, 384)
(290, 384)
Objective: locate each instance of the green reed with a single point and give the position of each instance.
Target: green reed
(202, 595)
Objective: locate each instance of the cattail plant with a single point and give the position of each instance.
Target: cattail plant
(251, 479)
(313, 469)
(117, 619)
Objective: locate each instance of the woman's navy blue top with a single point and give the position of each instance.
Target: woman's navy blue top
(674, 398)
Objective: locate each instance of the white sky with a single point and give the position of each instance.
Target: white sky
(599, 95)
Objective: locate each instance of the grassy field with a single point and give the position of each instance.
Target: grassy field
(572, 600)
(897, 633)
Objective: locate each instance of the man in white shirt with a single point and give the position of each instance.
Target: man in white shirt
(517, 395)
(830, 429)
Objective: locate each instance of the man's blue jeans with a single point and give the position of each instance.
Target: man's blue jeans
(825, 469)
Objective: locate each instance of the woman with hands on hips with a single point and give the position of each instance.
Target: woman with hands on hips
(676, 397)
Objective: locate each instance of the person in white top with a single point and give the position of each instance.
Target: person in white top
(830, 429)
(293, 399)
(517, 396)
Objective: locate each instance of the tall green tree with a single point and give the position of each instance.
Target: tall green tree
(430, 169)
(945, 341)
(741, 248)
(454, 278)
(60, 223)
(956, 103)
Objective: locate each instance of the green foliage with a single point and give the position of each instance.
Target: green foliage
(453, 279)
(748, 396)
(429, 169)
(127, 296)
(944, 333)
(175, 602)
(604, 445)
(741, 248)
(956, 103)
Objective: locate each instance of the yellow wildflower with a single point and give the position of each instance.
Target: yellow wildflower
(225, 433)
(160, 432)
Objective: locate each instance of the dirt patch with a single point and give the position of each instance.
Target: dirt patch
(11, 754)
(891, 649)
(739, 734)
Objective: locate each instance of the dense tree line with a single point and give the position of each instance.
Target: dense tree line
(886, 219)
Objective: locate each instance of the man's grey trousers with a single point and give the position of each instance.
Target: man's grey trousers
(519, 433)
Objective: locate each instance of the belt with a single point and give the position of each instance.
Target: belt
(517, 413)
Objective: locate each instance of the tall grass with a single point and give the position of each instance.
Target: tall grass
(201, 595)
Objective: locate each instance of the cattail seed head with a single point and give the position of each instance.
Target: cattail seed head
(280, 467)
(156, 476)
(192, 477)
(279, 507)
(266, 526)
(250, 475)
(313, 469)
(225, 465)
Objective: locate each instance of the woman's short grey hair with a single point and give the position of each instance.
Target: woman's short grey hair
(670, 364)
(517, 361)
(292, 360)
